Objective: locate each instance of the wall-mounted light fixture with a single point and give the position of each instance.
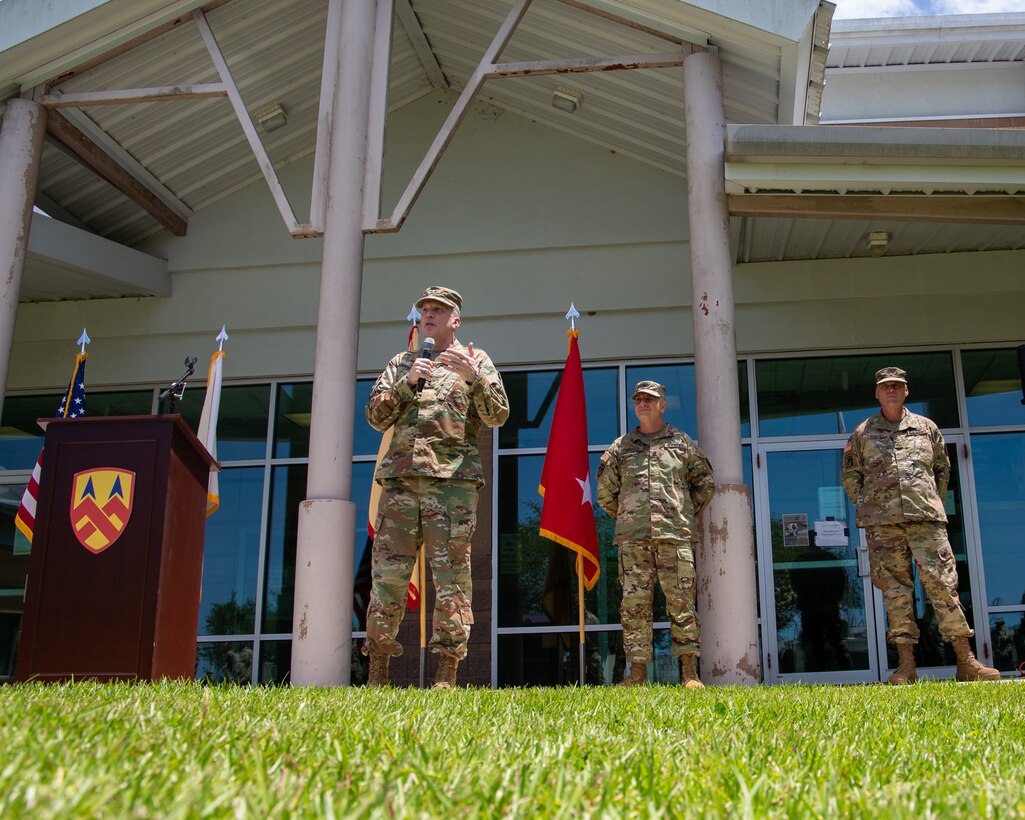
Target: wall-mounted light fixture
(878, 242)
(271, 118)
(567, 99)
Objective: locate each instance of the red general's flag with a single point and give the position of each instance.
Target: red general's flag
(567, 514)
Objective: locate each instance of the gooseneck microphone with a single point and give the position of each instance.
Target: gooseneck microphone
(428, 349)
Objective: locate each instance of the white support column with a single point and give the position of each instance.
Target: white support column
(725, 555)
(322, 617)
(21, 149)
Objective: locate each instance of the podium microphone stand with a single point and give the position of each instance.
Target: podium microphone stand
(176, 389)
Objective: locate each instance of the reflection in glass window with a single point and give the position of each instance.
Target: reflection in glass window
(230, 554)
(227, 662)
(1007, 631)
(537, 583)
(532, 398)
(992, 385)
(241, 423)
(553, 659)
(834, 394)
(681, 394)
(292, 422)
(998, 460)
(21, 437)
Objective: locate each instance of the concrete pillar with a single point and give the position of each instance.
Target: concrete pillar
(727, 581)
(322, 617)
(21, 148)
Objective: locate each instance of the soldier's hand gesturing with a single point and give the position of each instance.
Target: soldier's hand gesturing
(462, 363)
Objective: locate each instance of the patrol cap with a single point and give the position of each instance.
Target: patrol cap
(891, 374)
(446, 296)
(651, 389)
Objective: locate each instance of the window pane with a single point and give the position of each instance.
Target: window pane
(992, 386)
(834, 394)
(288, 488)
(241, 422)
(537, 583)
(292, 422)
(20, 435)
(13, 570)
(230, 555)
(532, 397)
(292, 426)
(1007, 629)
(553, 659)
(681, 395)
(229, 662)
(998, 461)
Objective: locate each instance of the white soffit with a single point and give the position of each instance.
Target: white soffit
(960, 39)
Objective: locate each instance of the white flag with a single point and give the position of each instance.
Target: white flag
(208, 426)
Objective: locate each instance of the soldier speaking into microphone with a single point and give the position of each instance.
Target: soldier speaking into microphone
(430, 478)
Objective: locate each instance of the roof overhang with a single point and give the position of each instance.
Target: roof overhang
(64, 262)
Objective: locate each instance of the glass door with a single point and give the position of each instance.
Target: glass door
(823, 620)
(819, 617)
(933, 656)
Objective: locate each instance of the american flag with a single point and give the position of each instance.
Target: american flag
(72, 406)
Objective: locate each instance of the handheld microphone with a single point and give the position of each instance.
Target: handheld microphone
(428, 349)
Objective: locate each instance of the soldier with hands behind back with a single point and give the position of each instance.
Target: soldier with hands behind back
(654, 481)
(895, 472)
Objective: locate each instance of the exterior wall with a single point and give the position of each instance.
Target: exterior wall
(522, 220)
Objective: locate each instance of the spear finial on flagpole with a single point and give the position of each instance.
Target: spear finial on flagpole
(222, 337)
(572, 314)
(83, 340)
(414, 315)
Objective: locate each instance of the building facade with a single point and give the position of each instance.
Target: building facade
(529, 209)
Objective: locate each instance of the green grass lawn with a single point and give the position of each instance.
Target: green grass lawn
(933, 749)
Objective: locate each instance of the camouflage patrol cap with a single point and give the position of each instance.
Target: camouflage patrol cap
(651, 389)
(446, 296)
(891, 374)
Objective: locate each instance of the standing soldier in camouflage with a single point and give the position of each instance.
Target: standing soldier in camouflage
(895, 472)
(430, 477)
(654, 482)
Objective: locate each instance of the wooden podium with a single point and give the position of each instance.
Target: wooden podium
(117, 554)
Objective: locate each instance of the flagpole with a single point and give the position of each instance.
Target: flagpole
(422, 565)
(580, 599)
(573, 314)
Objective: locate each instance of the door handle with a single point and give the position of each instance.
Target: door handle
(864, 567)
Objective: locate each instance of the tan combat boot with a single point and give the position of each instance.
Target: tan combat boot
(378, 674)
(905, 671)
(638, 674)
(445, 677)
(968, 668)
(689, 672)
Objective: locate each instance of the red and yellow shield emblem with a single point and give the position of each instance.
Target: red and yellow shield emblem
(101, 504)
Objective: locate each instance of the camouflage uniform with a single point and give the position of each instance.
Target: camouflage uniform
(655, 486)
(896, 475)
(430, 475)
